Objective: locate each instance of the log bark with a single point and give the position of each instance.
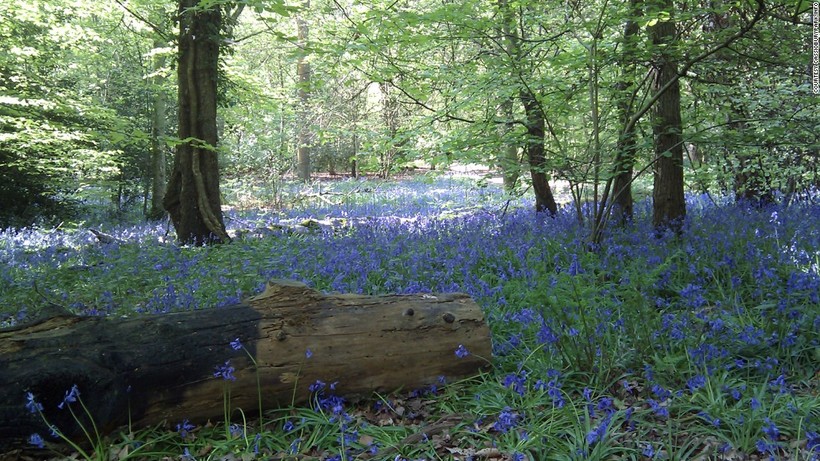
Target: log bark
(161, 368)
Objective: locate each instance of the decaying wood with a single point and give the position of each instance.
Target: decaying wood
(161, 368)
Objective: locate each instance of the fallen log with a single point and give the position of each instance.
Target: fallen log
(162, 367)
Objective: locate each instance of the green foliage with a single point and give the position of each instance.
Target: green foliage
(67, 114)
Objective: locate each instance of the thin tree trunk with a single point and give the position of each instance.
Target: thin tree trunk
(159, 174)
(669, 205)
(510, 168)
(544, 200)
(303, 72)
(193, 199)
(390, 115)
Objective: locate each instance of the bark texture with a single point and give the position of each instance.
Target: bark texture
(161, 368)
(192, 199)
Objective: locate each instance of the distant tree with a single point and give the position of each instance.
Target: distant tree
(193, 199)
(303, 73)
(669, 205)
(159, 104)
(533, 122)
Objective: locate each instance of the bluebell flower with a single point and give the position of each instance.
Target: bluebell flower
(708, 418)
(754, 403)
(506, 420)
(186, 455)
(33, 405)
(37, 441)
(184, 428)
(812, 442)
(606, 404)
(659, 410)
(236, 344)
(71, 396)
(696, 382)
(225, 371)
(294, 446)
(462, 351)
(516, 382)
(598, 433)
(766, 447)
(554, 391)
(648, 373)
(648, 450)
(779, 384)
(546, 335)
(308, 353)
(575, 266)
(288, 426)
(770, 429)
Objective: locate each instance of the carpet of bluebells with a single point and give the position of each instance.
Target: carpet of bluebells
(703, 346)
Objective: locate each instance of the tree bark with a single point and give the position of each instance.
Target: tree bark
(151, 369)
(193, 199)
(669, 205)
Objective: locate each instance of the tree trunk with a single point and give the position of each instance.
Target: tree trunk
(303, 72)
(193, 200)
(510, 167)
(390, 115)
(627, 143)
(544, 201)
(159, 106)
(150, 369)
(669, 205)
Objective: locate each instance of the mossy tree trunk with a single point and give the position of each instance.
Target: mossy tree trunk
(192, 199)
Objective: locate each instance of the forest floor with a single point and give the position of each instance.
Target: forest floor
(703, 346)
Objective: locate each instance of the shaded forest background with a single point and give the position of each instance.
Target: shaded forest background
(602, 95)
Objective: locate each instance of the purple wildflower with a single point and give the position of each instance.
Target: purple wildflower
(71, 396)
(225, 371)
(507, 420)
(33, 405)
(462, 351)
(184, 428)
(37, 441)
